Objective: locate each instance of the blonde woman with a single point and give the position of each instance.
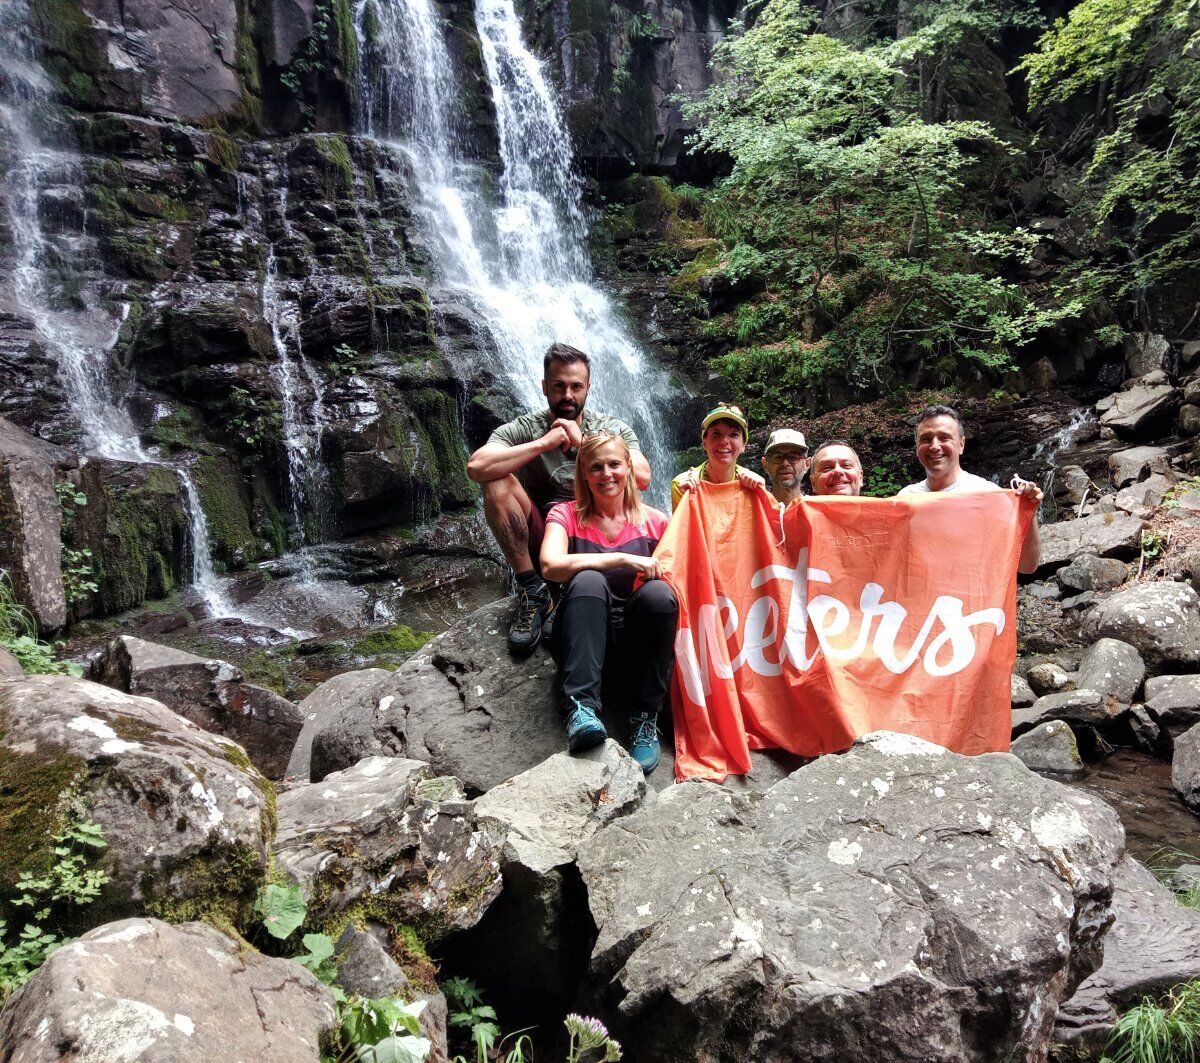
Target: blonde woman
(597, 546)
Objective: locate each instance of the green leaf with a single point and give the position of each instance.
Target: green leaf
(282, 909)
(401, 1049)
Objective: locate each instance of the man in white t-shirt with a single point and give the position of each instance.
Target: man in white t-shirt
(941, 441)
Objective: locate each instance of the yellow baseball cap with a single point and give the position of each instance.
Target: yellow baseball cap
(725, 412)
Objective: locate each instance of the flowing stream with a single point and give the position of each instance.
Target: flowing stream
(515, 252)
(80, 330)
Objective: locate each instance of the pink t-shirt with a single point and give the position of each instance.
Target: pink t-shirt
(640, 539)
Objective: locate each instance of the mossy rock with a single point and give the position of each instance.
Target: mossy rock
(223, 495)
(135, 524)
(398, 639)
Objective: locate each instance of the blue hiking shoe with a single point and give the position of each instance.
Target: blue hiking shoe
(644, 746)
(584, 729)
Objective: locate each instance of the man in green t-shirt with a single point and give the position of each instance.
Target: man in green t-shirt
(527, 466)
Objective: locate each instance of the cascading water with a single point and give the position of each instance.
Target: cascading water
(303, 422)
(1050, 449)
(81, 338)
(518, 256)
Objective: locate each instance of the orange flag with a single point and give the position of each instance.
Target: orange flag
(840, 616)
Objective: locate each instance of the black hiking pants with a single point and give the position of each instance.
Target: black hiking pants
(592, 625)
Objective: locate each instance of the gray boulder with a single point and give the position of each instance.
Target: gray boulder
(1174, 702)
(365, 967)
(1152, 946)
(1101, 534)
(145, 991)
(1091, 573)
(1049, 678)
(1050, 748)
(1140, 499)
(951, 901)
(461, 703)
(329, 699)
(10, 667)
(1077, 706)
(1146, 352)
(1140, 411)
(1022, 693)
(1189, 420)
(547, 812)
(1160, 620)
(212, 694)
(1185, 767)
(1136, 463)
(31, 525)
(1113, 668)
(187, 817)
(386, 833)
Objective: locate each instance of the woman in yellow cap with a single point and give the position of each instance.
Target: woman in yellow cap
(723, 434)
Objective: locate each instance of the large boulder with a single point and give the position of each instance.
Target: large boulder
(212, 694)
(187, 817)
(332, 697)
(31, 525)
(1076, 706)
(1152, 946)
(539, 924)
(1091, 573)
(1173, 701)
(1113, 668)
(1136, 463)
(1185, 767)
(1049, 748)
(1140, 411)
(1160, 620)
(950, 901)
(1146, 352)
(1101, 534)
(385, 839)
(145, 991)
(461, 703)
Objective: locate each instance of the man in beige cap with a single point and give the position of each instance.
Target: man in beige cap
(786, 461)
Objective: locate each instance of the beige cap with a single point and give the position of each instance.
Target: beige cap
(785, 437)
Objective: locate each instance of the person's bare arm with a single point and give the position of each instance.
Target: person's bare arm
(560, 566)
(1031, 548)
(641, 469)
(494, 460)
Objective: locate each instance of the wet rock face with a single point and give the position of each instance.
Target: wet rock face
(212, 694)
(620, 73)
(898, 887)
(145, 990)
(31, 525)
(186, 817)
(1185, 767)
(387, 836)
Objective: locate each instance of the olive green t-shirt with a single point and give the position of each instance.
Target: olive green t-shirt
(550, 477)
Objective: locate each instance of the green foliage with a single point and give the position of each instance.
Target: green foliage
(1152, 545)
(345, 359)
(468, 1011)
(1153, 1032)
(19, 635)
(52, 892)
(381, 1030)
(1140, 61)
(885, 479)
(282, 910)
(853, 200)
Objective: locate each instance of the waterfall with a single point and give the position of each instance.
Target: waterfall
(518, 255)
(1050, 449)
(80, 332)
(303, 423)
